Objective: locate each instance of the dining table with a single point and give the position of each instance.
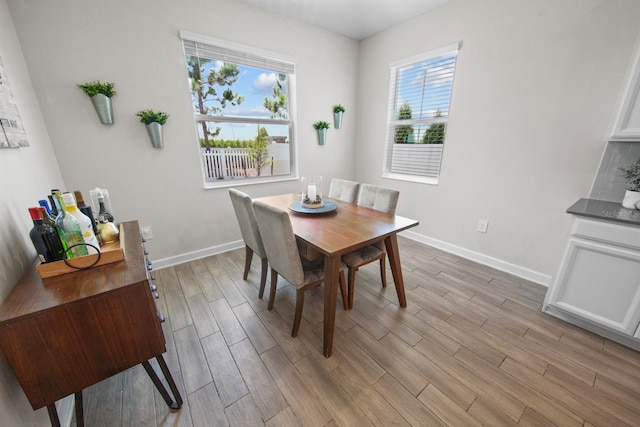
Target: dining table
(335, 230)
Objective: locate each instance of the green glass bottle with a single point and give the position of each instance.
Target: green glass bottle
(69, 230)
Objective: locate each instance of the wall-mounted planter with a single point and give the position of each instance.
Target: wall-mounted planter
(102, 105)
(322, 136)
(337, 119)
(153, 121)
(321, 126)
(100, 93)
(155, 134)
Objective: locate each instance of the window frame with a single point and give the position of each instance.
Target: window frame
(291, 121)
(392, 121)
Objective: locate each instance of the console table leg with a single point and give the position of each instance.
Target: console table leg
(169, 378)
(173, 404)
(53, 415)
(79, 409)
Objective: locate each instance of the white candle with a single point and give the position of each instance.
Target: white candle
(311, 192)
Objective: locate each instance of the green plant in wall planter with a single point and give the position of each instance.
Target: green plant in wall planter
(100, 93)
(321, 127)
(631, 174)
(338, 111)
(153, 121)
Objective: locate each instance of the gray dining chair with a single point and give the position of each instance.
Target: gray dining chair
(243, 207)
(341, 189)
(381, 199)
(285, 260)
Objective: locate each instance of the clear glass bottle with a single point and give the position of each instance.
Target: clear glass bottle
(86, 210)
(88, 235)
(69, 230)
(45, 238)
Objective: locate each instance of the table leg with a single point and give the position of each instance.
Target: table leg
(53, 415)
(331, 272)
(79, 409)
(173, 404)
(391, 243)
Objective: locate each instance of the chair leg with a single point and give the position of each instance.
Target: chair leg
(263, 276)
(298, 316)
(248, 256)
(383, 270)
(272, 293)
(343, 290)
(351, 284)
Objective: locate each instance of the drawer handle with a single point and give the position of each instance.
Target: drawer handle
(146, 252)
(153, 287)
(156, 295)
(161, 318)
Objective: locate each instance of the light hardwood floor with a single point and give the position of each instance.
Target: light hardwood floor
(471, 348)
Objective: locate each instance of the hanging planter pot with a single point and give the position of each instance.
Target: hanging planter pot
(338, 111)
(102, 104)
(321, 127)
(100, 94)
(322, 136)
(153, 121)
(154, 130)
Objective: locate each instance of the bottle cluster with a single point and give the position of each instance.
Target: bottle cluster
(65, 227)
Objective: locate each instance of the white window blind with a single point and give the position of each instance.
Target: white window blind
(227, 54)
(419, 98)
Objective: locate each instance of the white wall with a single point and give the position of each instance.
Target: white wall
(137, 46)
(534, 95)
(26, 176)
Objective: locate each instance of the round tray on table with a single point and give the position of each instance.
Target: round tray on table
(328, 207)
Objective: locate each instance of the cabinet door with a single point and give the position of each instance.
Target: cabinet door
(600, 283)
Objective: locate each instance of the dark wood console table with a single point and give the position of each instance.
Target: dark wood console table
(65, 333)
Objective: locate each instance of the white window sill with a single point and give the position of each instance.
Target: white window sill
(430, 180)
(226, 183)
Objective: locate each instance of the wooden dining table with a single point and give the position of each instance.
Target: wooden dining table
(336, 233)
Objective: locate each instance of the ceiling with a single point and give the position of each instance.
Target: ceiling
(357, 19)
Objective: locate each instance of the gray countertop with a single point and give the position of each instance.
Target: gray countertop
(607, 211)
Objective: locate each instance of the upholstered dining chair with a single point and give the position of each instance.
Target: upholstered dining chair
(285, 260)
(242, 205)
(341, 189)
(381, 199)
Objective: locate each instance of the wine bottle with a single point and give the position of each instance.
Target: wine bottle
(103, 211)
(69, 230)
(88, 235)
(54, 210)
(46, 216)
(86, 210)
(45, 238)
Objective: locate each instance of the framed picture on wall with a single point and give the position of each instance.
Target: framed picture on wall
(12, 133)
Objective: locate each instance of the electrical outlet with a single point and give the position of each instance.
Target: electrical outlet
(146, 232)
(483, 224)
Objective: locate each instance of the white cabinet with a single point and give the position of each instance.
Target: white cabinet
(599, 281)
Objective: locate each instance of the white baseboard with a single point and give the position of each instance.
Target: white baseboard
(522, 272)
(516, 270)
(192, 256)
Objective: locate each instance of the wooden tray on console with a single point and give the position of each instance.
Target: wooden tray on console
(110, 252)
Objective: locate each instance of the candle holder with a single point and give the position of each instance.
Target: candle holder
(312, 192)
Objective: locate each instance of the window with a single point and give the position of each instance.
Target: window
(242, 105)
(419, 97)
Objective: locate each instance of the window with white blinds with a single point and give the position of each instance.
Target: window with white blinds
(242, 108)
(419, 99)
